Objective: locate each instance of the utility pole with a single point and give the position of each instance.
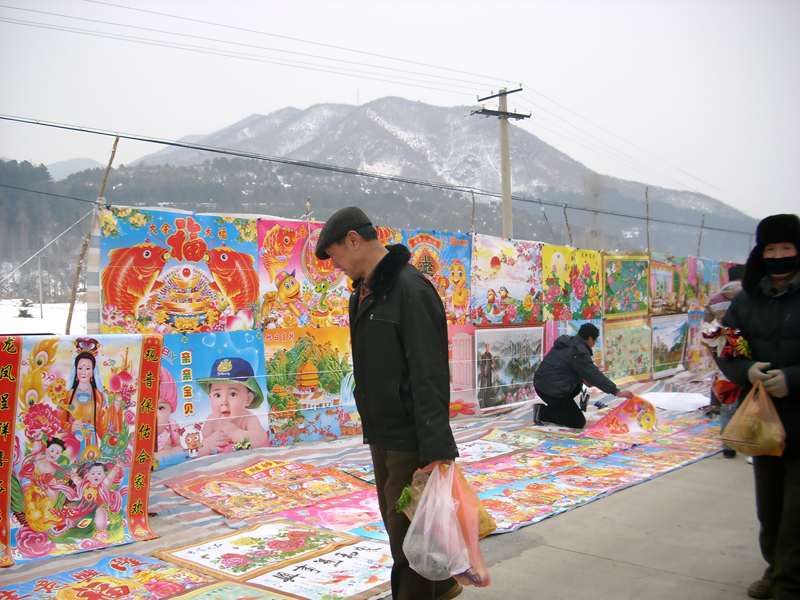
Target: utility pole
(39, 258)
(505, 153)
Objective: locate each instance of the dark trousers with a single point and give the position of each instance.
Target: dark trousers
(393, 471)
(561, 411)
(778, 506)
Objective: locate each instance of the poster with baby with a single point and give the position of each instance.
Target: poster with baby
(77, 475)
(211, 396)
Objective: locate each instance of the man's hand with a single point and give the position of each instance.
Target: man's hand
(776, 386)
(625, 394)
(757, 372)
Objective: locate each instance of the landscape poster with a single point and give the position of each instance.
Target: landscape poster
(669, 340)
(507, 360)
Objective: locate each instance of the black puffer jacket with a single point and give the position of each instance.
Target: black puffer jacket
(400, 360)
(568, 363)
(770, 322)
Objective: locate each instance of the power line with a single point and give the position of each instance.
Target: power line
(13, 187)
(349, 171)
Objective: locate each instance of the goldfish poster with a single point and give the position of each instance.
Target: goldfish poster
(171, 272)
(506, 281)
(310, 384)
(626, 284)
(298, 289)
(211, 396)
(445, 259)
(83, 438)
(128, 576)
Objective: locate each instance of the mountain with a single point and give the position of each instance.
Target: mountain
(447, 145)
(65, 168)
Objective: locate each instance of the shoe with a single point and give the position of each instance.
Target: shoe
(600, 405)
(536, 419)
(749, 460)
(761, 588)
(584, 401)
(728, 453)
(458, 588)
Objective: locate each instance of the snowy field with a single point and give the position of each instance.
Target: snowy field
(54, 319)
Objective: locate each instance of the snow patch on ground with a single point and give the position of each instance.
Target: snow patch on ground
(49, 318)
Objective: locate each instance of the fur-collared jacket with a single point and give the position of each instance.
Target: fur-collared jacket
(400, 360)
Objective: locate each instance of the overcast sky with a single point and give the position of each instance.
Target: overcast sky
(697, 94)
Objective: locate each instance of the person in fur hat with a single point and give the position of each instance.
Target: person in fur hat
(398, 331)
(768, 313)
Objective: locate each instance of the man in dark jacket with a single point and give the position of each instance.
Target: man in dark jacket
(561, 374)
(767, 311)
(398, 331)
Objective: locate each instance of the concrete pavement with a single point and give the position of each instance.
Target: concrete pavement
(690, 534)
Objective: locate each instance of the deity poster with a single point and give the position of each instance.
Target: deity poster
(171, 272)
(298, 289)
(212, 396)
(506, 281)
(81, 442)
(507, 360)
(669, 340)
(445, 259)
(627, 355)
(625, 284)
(311, 384)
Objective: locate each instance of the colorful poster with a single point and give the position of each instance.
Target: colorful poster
(669, 340)
(445, 259)
(358, 514)
(339, 574)
(211, 396)
(461, 349)
(506, 281)
(653, 460)
(297, 289)
(507, 360)
(555, 329)
(83, 439)
(625, 284)
(248, 553)
(234, 590)
(626, 354)
(556, 285)
(599, 475)
(698, 357)
(166, 272)
(10, 357)
(480, 450)
(635, 421)
(663, 288)
(699, 281)
(129, 576)
(311, 384)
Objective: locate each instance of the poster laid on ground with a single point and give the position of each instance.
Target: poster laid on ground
(234, 590)
(445, 259)
(296, 288)
(669, 341)
(506, 281)
(311, 384)
(211, 396)
(258, 549)
(82, 442)
(507, 360)
(626, 353)
(625, 285)
(128, 576)
(168, 272)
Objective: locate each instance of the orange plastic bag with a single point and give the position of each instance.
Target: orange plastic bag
(756, 428)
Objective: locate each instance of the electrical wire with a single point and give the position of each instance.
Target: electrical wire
(47, 244)
(13, 187)
(544, 212)
(350, 171)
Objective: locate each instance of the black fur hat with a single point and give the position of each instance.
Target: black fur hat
(771, 230)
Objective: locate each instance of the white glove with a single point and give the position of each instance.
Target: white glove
(777, 387)
(757, 372)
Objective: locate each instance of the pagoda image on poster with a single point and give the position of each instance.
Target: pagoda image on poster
(669, 341)
(625, 285)
(311, 384)
(506, 281)
(507, 360)
(81, 444)
(445, 259)
(297, 289)
(212, 396)
(170, 272)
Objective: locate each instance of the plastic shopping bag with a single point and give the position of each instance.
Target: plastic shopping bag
(434, 545)
(473, 518)
(756, 428)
